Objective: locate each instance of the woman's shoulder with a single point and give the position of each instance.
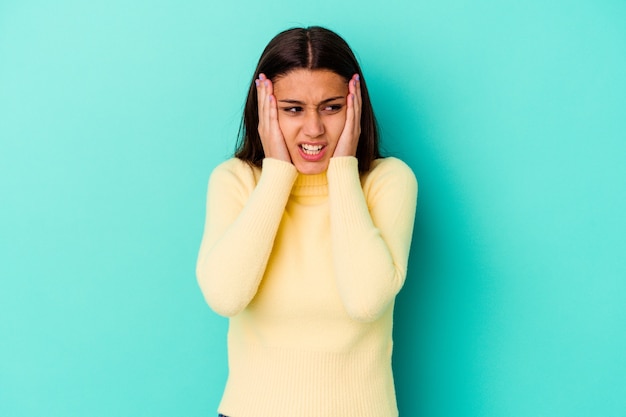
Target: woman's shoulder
(235, 170)
(233, 165)
(389, 168)
(389, 178)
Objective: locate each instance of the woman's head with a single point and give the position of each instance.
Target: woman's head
(312, 48)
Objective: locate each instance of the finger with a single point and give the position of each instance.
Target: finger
(260, 89)
(269, 86)
(354, 109)
(273, 117)
(272, 111)
(269, 103)
(358, 102)
(349, 126)
(265, 89)
(355, 99)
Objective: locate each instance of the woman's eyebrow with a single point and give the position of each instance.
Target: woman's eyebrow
(301, 103)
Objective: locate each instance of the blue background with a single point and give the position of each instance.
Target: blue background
(512, 115)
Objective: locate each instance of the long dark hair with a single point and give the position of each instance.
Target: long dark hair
(307, 48)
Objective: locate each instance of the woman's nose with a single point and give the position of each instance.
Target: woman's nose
(313, 126)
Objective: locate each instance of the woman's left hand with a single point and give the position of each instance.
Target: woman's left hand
(349, 139)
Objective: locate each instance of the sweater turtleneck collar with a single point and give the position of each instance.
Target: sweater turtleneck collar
(310, 185)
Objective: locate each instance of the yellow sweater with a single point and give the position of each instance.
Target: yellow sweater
(307, 268)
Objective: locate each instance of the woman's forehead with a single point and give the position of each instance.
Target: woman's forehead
(310, 85)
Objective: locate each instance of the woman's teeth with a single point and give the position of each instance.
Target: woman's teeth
(311, 149)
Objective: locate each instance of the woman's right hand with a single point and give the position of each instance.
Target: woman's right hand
(272, 139)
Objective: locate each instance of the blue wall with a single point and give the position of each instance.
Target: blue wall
(512, 115)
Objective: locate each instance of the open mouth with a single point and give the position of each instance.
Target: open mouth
(311, 150)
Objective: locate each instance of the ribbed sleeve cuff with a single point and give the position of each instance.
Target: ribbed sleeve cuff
(271, 194)
(343, 162)
(279, 170)
(346, 194)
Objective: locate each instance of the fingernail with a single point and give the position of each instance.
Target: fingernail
(358, 78)
(256, 82)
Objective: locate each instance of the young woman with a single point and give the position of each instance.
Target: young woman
(307, 238)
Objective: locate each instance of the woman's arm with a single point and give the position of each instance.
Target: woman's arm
(242, 217)
(370, 237)
(241, 223)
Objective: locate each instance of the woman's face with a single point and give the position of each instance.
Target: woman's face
(311, 115)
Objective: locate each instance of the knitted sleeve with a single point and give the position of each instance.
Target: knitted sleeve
(371, 229)
(241, 223)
